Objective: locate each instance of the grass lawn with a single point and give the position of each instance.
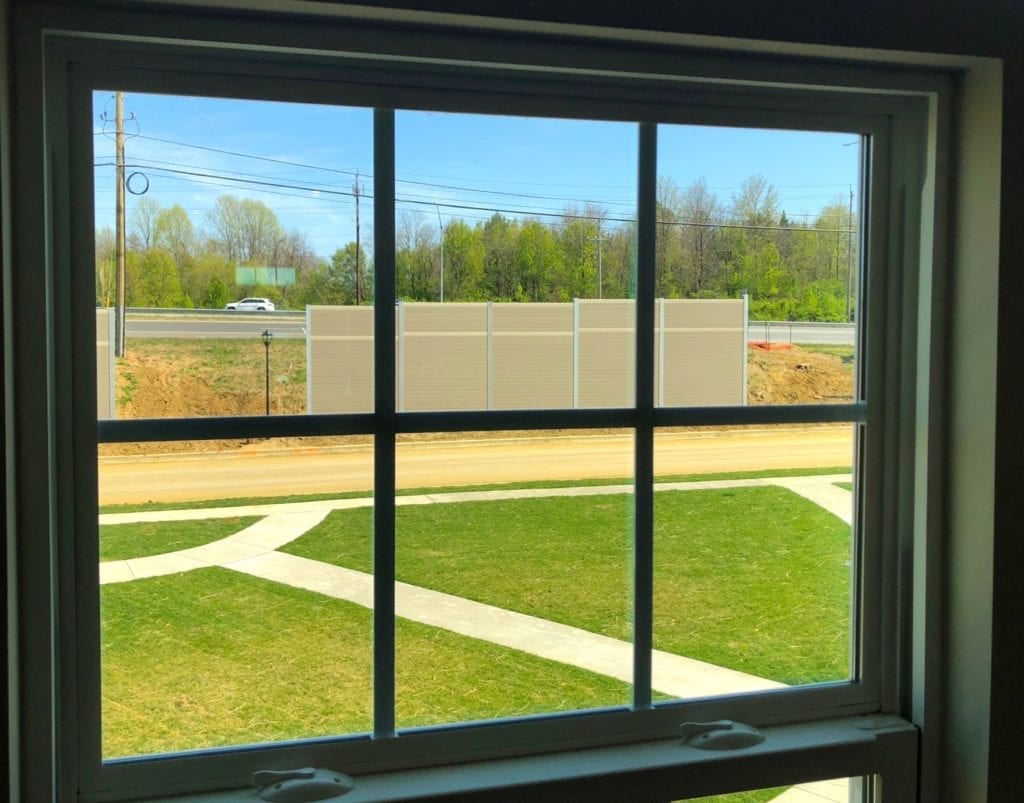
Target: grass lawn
(846, 486)
(226, 363)
(754, 579)
(755, 796)
(844, 353)
(137, 540)
(213, 657)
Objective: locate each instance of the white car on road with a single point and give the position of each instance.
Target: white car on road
(252, 304)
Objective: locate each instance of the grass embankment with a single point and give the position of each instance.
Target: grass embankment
(177, 377)
(212, 657)
(138, 540)
(755, 579)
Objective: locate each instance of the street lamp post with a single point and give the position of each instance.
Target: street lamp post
(267, 337)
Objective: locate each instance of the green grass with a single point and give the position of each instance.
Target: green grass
(240, 501)
(137, 540)
(754, 579)
(846, 486)
(755, 796)
(844, 353)
(212, 657)
(227, 363)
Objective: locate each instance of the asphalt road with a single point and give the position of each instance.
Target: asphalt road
(244, 324)
(227, 325)
(259, 471)
(798, 332)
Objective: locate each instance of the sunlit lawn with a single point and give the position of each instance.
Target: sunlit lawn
(213, 657)
(139, 539)
(755, 579)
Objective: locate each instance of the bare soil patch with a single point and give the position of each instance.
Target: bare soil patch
(193, 378)
(800, 375)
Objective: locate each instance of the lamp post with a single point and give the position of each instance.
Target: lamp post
(267, 337)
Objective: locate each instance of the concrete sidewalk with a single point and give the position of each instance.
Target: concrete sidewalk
(673, 674)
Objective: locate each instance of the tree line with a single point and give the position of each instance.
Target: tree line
(705, 248)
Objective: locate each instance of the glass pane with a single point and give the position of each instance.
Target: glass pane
(215, 629)
(752, 558)
(514, 262)
(757, 266)
(514, 548)
(836, 790)
(246, 266)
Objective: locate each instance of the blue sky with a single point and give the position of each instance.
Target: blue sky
(457, 166)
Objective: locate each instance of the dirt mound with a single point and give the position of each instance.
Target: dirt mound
(799, 376)
(151, 386)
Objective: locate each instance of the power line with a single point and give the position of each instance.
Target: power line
(434, 185)
(473, 207)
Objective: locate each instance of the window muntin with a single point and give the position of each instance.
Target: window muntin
(764, 705)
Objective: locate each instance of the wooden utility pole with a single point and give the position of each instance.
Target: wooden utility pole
(849, 259)
(120, 227)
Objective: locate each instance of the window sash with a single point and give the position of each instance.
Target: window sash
(425, 746)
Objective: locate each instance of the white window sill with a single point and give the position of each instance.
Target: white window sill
(663, 770)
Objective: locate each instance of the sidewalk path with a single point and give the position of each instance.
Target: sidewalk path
(673, 674)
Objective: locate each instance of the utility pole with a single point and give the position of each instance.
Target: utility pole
(120, 227)
(440, 228)
(849, 257)
(600, 278)
(359, 288)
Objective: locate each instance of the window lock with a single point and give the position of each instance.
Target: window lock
(301, 785)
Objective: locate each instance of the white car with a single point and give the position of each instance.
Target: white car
(252, 304)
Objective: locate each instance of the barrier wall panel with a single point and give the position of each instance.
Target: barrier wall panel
(340, 360)
(701, 368)
(704, 313)
(106, 390)
(482, 356)
(704, 345)
(605, 353)
(531, 356)
(443, 357)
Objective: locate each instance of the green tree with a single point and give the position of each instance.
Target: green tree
(173, 231)
(151, 280)
(215, 296)
(463, 262)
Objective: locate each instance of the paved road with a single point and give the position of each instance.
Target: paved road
(241, 325)
(259, 471)
(841, 334)
(228, 325)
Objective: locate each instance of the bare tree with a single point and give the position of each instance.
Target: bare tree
(142, 226)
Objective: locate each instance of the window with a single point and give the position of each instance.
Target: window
(621, 380)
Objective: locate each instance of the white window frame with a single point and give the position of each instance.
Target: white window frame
(337, 64)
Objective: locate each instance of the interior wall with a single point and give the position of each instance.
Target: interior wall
(986, 593)
(5, 261)
(972, 433)
(1006, 770)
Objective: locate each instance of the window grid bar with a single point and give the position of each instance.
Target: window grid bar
(170, 429)
(643, 470)
(384, 424)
